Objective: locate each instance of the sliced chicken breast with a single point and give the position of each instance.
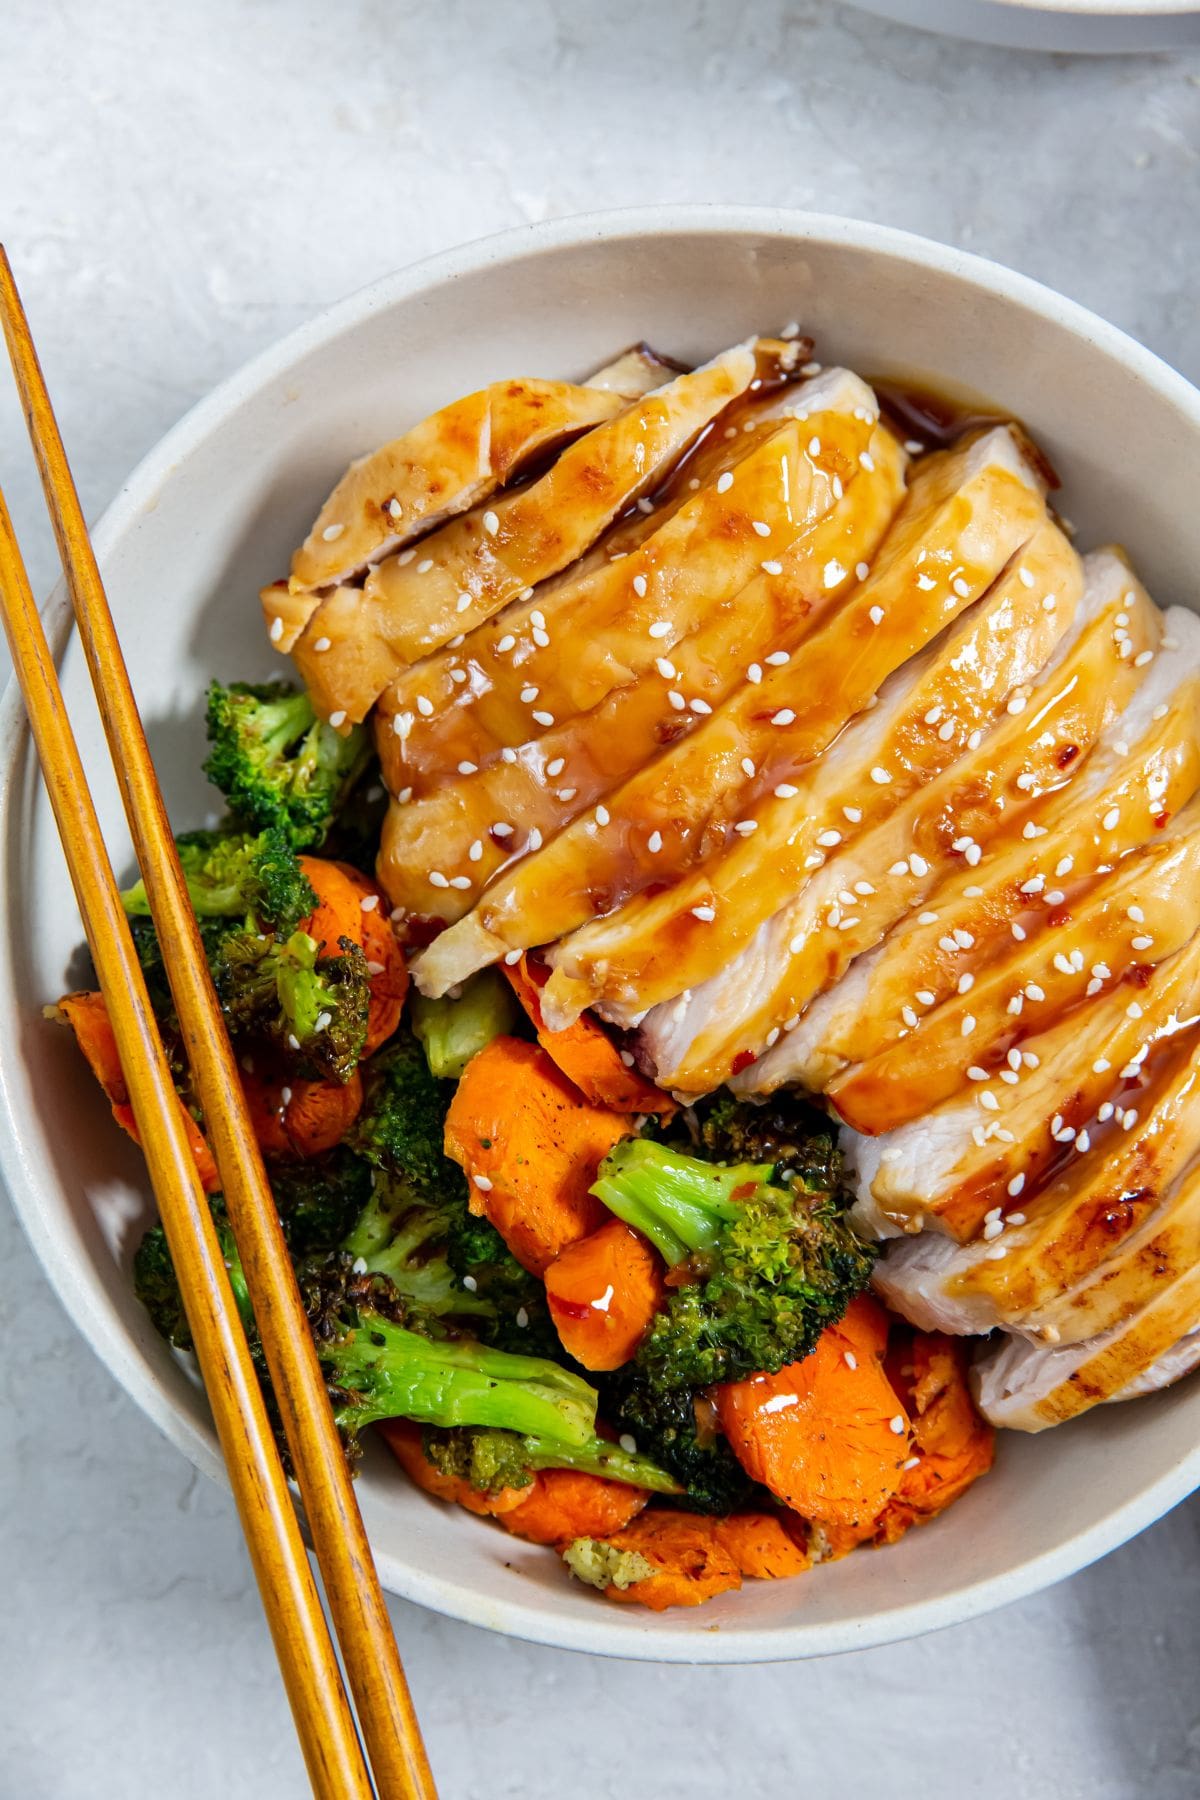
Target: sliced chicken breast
(566, 649)
(419, 598)
(929, 713)
(1028, 1387)
(478, 817)
(1178, 1361)
(1115, 803)
(1140, 914)
(944, 551)
(450, 461)
(956, 1164)
(1043, 1243)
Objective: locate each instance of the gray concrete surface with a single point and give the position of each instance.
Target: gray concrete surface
(179, 185)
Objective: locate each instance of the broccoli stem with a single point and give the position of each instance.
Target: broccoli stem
(385, 1371)
(452, 1031)
(680, 1203)
(599, 1457)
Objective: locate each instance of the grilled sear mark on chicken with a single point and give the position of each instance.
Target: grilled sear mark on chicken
(691, 798)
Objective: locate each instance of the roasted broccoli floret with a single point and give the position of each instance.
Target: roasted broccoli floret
(454, 1030)
(784, 1130)
(276, 763)
(256, 880)
(491, 1460)
(761, 1267)
(405, 1239)
(320, 1201)
(385, 1359)
(157, 1286)
(402, 1123)
(314, 1010)
(602, 1565)
(520, 1318)
(677, 1429)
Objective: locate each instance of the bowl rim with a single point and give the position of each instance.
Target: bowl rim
(606, 1634)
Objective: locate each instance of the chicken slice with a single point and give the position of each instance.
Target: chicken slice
(1172, 1366)
(1043, 1243)
(1114, 804)
(928, 714)
(955, 1164)
(967, 513)
(421, 597)
(1029, 1386)
(450, 461)
(1140, 914)
(826, 937)
(564, 650)
(466, 829)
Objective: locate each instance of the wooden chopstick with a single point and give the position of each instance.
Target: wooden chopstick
(310, 1671)
(356, 1604)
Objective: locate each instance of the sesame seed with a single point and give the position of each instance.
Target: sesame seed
(724, 482)
(276, 630)
(506, 643)
(424, 706)
(405, 557)
(754, 673)
(746, 827)
(543, 718)
(639, 586)
(468, 768)
(654, 843)
(508, 754)
(501, 830)
(1130, 1120)
(1140, 943)
(925, 582)
(926, 996)
(827, 839)
(660, 628)
(975, 1073)
(880, 776)
(337, 719)
(700, 706)
(853, 813)
(997, 1253)
(785, 791)
(534, 840)
(541, 638)
(901, 868)
(747, 766)
(332, 533)
(1083, 1142)
(909, 1016)
(961, 588)
(676, 699)
(322, 643)
(1143, 657)
(665, 668)
(833, 573)
(966, 982)
(491, 523)
(565, 794)
(875, 614)
(761, 527)
(918, 865)
(849, 1358)
(866, 461)
(785, 716)
(968, 1026)
(602, 815)
(437, 879)
(476, 850)
(898, 1425)
(771, 568)
(529, 695)
(993, 1228)
(706, 914)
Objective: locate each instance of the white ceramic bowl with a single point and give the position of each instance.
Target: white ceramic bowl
(214, 512)
(1086, 27)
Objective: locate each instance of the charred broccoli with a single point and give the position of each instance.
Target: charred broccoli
(320, 1201)
(280, 990)
(677, 1428)
(277, 764)
(762, 1266)
(491, 1460)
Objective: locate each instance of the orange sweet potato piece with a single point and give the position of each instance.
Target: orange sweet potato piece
(585, 1053)
(561, 1504)
(298, 1119)
(337, 913)
(405, 1441)
(381, 947)
(603, 1292)
(762, 1547)
(828, 1435)
(530, 1145)
(87, 1015)
(952, 1444)
(692, 1564)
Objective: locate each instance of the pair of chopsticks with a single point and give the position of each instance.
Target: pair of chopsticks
(334, 1756)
